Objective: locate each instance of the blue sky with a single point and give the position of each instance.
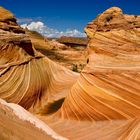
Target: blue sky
(65, 14)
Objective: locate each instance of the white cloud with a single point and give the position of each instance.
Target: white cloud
(50, 32)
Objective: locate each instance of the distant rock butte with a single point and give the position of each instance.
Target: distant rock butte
(70, 52)
(102, 103)
(73, 41)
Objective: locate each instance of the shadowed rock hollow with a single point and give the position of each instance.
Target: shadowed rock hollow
(102, 103)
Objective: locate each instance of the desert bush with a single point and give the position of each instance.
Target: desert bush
(75, 68)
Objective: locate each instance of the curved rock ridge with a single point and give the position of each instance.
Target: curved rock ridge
(28, 78)
(108, 88)
(99, 97)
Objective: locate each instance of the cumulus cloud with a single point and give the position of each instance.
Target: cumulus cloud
(50, 32)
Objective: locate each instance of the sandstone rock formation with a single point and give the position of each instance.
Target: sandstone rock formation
(111, 77)
(27, 77)
(73, 41)
(102, 103)
(105, 98)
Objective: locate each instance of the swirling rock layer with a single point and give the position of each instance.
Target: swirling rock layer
(107, 91)
(110, 82)
(27, 77)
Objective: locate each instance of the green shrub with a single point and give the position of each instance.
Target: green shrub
(75, 68)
